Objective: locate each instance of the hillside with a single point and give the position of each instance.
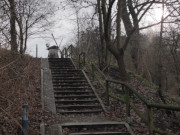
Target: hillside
(19, 84)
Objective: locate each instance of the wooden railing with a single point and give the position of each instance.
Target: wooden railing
(82, 60)
(128, 93)
(67, 52)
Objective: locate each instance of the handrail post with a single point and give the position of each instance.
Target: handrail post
(65, 52)
(92, 66)
(79, 60)
(107, 92)
(127, 99)
(150, 120)
(84, 60)
(70, 51)
(61, 52)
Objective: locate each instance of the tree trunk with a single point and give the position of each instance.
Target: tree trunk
(117, 52)
(21, 39)
(101, 45)
(135, 51)
(14, 46)
(160, 91)
(121, 64)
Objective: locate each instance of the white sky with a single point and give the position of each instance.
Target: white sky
(62, 31)
(65, 29)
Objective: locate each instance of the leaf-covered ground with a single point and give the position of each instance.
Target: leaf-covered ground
(20, 84)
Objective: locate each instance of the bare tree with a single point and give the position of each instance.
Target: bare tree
(28, 15)
(14, 46)
(160, 55)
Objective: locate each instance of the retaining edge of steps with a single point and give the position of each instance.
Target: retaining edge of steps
(47, 92)
(103, 106)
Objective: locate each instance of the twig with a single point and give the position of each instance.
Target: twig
(8, 64)
(12, 118)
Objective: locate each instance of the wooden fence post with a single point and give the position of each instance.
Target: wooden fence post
(127, 99)
(107, 92)
(79, 60)
(71, 51)
(66, 55)
(92, 66)
(84, 59)
(150, 120)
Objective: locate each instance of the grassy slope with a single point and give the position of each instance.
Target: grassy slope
(19, 84)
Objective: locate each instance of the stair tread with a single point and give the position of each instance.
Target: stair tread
(73, 92)
(72, 84)
(53, 72)
(85, 88)
(80, 111)
(69, 124)
(58, 75)
(100, 133)
(77, 100)
(69, 80)
(68, 106)
(74, 96)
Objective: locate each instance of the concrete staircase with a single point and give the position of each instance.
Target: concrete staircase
(74, 95)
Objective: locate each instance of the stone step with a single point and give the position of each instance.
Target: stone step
(77, 107)
(65, 70)
(71, 88)
(85, 84)
(62, 67)
(73, 92)
(69, 81)
(75, 96)
(68, 76)
(80, 111)
(58, 66)
(80, 102)
(97, 128)
(59, 59)
(60, 63)
(69, 73)
(101, 133)
(81, 85)
(65, 67)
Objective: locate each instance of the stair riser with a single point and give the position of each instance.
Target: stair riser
(70, 84)
(72, 93)
(67, 76)
(74, 101)
(72, 81)
(78, 107)
(75, 97)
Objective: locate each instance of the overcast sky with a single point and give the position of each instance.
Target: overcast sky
(63, 31)
(65, 28)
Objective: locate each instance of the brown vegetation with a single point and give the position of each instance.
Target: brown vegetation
(19, 84)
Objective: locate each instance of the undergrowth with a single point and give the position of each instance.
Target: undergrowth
(143, 80)
(19, 84)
